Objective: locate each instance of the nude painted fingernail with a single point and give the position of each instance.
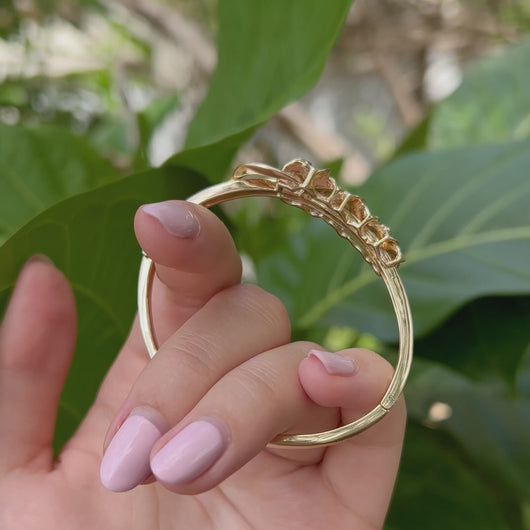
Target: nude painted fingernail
(190, 452)
(125, 463)
(334, 363)
(175, 218)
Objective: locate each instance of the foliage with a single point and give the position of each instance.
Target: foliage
(458, 205)
(474, 115)
(12, 13)
(30, 184)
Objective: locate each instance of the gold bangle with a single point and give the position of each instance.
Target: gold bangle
(314, 191)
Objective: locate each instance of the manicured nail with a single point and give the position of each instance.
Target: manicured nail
(125, 463)
(175, 218)
(39, 258)
(190, 452)
(334, 363)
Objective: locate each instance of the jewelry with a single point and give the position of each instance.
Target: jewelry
(314, 191)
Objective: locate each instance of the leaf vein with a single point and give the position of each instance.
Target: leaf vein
(461, 242)
(105, 307)
(24, 192)
(460, 195)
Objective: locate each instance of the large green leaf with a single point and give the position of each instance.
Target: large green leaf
(485, 339)
(270, 53)
(491, 423)
(492, 104)
(212, 162)
(39, 167)
(90, 238)
(463, 221)
(438, 488)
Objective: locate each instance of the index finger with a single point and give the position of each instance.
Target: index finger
(195, 257)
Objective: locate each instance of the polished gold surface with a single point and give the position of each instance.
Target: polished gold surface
(314, 191)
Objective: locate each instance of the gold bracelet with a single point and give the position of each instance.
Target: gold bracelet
(315, 192)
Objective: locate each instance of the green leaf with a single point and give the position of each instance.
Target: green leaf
(39, 167)
(491, 105)
(463, 221)
(491, 424)
(157, 111)
(417, 139)
(90, 238)
(211, 161)
(114, 138)
(148, 120)
(270, 53)
(485, 339)
(437, 488)
(259, 71)
(523, 376)
(111, 137)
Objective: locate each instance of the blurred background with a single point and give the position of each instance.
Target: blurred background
(127, 77)
(94, 66)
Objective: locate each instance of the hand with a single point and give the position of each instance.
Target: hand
(224, 382)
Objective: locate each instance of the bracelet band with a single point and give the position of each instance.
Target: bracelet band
(299, 184)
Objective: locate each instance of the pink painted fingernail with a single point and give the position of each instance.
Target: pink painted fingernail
(125, 463)
(190, 452)
(334, 363)
(39, 258)
(175, 218)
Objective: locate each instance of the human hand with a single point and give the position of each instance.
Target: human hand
(226, 378)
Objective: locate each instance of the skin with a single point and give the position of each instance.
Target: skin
(225, 354)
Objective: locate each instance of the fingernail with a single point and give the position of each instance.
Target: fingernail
(190, 452)
(125, 463)
(39, 258)
(334, 363)
(175, 218)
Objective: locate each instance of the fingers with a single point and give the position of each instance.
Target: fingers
(235, 420)
(226, 400)
(372, 457)
(264, 396)
(188, 384)
(195, 258)
(237, 323)
(37, 340)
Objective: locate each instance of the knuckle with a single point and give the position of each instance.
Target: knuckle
(307, 346)
(269, 307)
(257, 383)
(194, 354)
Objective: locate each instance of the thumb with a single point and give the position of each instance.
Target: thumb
(362, 470)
